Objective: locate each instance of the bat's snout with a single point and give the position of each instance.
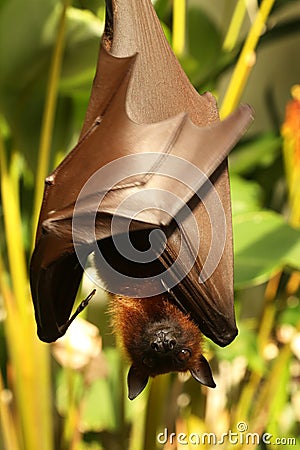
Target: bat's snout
(164, 341)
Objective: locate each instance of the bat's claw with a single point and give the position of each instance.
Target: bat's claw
(79, 309)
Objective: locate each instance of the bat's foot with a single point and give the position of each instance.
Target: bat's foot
(79, 309)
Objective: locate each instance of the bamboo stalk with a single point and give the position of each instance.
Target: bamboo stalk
(179, 27)
(235, 26)
(30, 379)
(49, 115)
(13, 227)
(8, 430)
(246, 60)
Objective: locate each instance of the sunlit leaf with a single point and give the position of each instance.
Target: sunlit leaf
(260, 152)
(291, 315)
(246, 195)
(264, 243)
(203, 45)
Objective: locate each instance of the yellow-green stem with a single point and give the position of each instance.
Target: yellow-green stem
(29, 375)
(266, 397)
(8, 426)
(268, 317)
(179, 21)
(235, 26)
(70, 430)
(49, 115)
(246, 399)
(155, 401)
(30, 380)
(13, 233)
(246, 60)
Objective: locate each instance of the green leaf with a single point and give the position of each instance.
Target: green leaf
(264, 243)
(246, 195)
(163, 9)
(25, 61)
(291, 314)
(82, 45)
(20, 50)
(95, 416)
(72, 392)
(108, 414)
(203, 44)
(259, 152)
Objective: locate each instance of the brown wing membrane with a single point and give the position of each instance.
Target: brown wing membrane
(141, 105)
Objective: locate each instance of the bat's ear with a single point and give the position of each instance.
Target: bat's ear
(202, 373)
(136, 382)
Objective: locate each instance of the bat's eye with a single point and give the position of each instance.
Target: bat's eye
(183, 355)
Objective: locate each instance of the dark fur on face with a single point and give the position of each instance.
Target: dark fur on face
(158, 338)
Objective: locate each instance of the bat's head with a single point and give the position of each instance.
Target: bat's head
(158, 338)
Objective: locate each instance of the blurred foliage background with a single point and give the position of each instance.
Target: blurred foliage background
(72, 395)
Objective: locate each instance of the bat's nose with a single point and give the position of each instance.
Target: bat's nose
(164, 341)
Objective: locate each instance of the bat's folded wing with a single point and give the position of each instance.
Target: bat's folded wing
(155, 182)
(137, 169)
(55, 276)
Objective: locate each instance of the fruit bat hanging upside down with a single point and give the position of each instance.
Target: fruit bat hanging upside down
(146, 190)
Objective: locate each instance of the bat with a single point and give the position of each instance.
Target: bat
(158, 338)
(146, 191)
